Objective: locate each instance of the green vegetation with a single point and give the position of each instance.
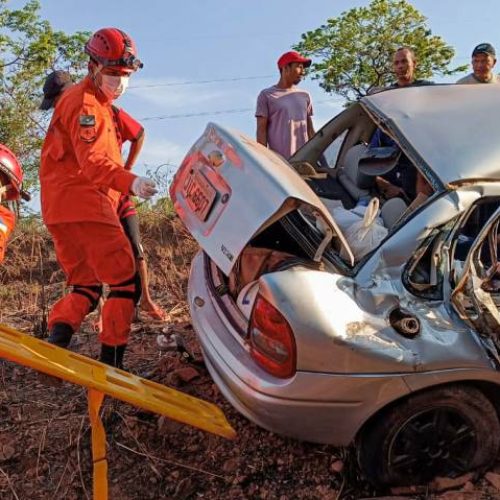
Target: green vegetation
(30, 49)
(353, 52)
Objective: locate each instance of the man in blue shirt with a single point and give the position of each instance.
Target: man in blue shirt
(402, 179)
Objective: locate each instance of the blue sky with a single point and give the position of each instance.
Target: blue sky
(199, 40)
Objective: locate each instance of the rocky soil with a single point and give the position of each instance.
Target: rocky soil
(45, 434)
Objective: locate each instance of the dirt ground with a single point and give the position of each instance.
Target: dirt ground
(45, 435)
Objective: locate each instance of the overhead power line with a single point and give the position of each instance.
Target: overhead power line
(202, 113)
(201, 82)
(221, 112)
(220, 80)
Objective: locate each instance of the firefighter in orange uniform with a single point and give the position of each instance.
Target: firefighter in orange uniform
(11, 178)
(82, 176)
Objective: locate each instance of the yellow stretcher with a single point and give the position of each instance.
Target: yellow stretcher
(104, 380)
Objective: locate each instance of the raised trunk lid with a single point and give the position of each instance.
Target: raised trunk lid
(229, 188)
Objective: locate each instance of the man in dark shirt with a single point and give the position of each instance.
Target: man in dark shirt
(404, 63)
(402, 179)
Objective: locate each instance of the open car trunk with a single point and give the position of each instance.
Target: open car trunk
(229, 189)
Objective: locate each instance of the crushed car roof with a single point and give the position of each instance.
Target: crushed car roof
(452, 129)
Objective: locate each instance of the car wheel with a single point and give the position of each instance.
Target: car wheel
(445, 431)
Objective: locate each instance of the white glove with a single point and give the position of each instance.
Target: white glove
(144, 187)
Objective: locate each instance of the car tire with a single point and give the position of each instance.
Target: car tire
(445, 431)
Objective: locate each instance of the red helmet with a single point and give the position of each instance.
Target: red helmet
(12, 170)
(113, 47)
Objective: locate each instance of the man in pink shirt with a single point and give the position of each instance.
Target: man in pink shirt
(284, 111)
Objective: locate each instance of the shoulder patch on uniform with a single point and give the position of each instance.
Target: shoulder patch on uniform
(3, 226)
(87, 120)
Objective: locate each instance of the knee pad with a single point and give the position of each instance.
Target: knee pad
(91, 292)
(125, 290)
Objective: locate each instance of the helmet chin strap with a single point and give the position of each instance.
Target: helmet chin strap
(3, 191)
(94, 71)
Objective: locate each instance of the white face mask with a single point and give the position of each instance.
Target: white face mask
(113, 86)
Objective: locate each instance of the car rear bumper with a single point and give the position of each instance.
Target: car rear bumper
(317, 407)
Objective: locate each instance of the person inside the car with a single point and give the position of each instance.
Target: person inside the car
(401, 181)
(404, 181)
(403, 193)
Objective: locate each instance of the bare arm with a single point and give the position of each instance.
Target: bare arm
(310, 127)
(135, 149)
(388, 190)
(262, 130)
(423, 187)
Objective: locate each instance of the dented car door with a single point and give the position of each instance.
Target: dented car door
(476, 296)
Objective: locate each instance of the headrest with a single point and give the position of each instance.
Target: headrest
(379, 160)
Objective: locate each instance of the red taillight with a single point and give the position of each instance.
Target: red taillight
(272, 344)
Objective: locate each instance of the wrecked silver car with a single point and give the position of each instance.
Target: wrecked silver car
(395, 348)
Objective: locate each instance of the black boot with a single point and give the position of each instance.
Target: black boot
(113, 355)
(60, 334)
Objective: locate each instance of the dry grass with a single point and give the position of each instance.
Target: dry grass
(31, 280)
(44, 432)
(169, 249)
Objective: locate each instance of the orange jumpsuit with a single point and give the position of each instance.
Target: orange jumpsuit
(81, 178)
(7, 223)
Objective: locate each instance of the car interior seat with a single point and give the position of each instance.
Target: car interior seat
(391, 211)
(352, 180)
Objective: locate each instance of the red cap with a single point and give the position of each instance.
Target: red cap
(293, 57)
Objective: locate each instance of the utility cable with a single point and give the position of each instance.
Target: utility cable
(202, 113)
(201, 82)
(220, 80)
(221, 112)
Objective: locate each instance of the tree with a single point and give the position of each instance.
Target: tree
(353, 52)
(30, 49)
